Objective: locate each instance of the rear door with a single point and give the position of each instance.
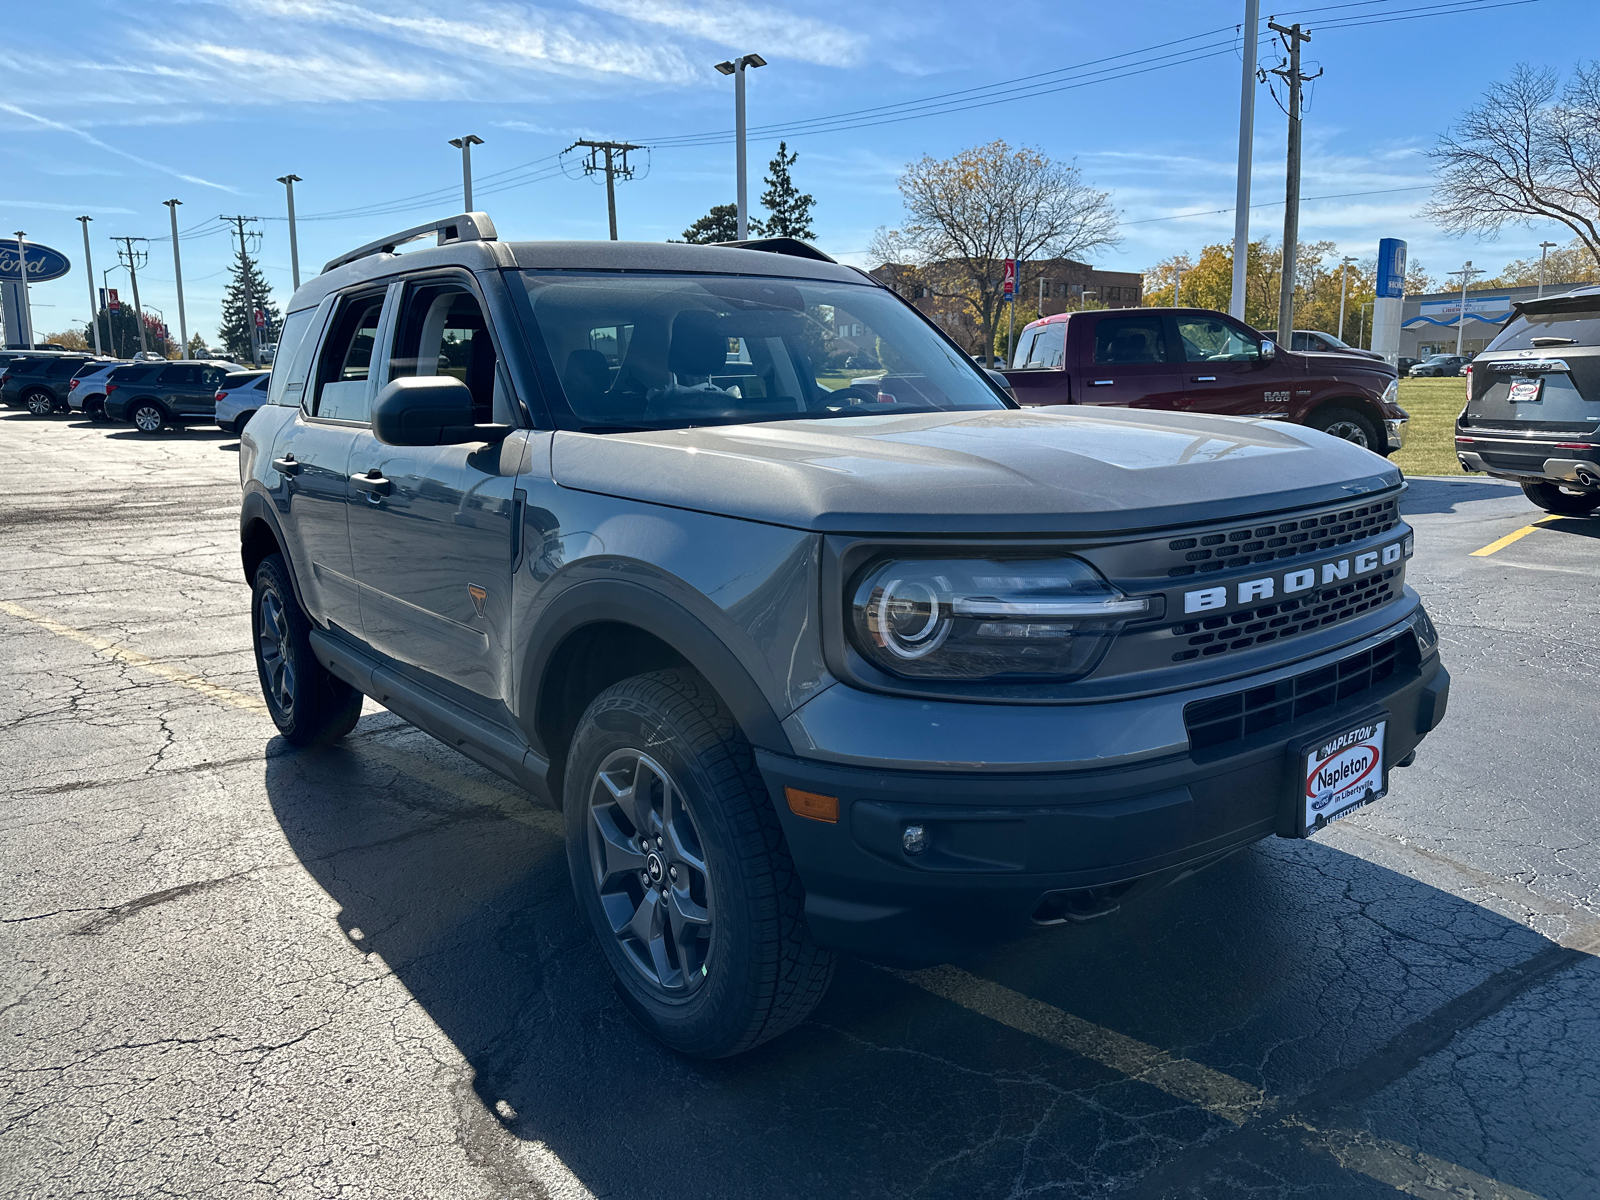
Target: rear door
(1040, 375)
(175, 386)
(1130, 360)
(1224, 372)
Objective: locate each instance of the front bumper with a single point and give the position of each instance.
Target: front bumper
(1395, 432)
(1009, 851)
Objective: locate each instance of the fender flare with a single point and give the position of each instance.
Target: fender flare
(256, 506)
(598, 601)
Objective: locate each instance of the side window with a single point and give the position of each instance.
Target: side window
(442, 331)
(341, 388)
(1207, 339)
(1130, 340)
(64, 368)
(289, 364)
(211, 377)
(179, 376)
(1046, 348)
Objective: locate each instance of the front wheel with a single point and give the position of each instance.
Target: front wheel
(1554, 498)
(678, 861)
(310, 706)
(148, 417)
(1350, 425)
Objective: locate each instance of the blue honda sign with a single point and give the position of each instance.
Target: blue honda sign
(1391, 267)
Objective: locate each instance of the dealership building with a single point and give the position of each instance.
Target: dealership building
(1428, 323)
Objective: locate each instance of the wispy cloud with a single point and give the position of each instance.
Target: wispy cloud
(62, 127)
(747, 27)
(90, 209)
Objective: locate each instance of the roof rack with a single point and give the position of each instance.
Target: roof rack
(793, 247)
(464, 227)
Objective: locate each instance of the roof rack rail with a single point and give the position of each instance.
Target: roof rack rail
(793, 247)
(464, 227)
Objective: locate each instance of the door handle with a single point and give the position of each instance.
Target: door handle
(286, 465)
(1101, 382)
(1205, 378)
(373, 483)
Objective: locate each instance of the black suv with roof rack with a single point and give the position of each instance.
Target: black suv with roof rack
(882, 663)
(40, 382)
(1533, 403)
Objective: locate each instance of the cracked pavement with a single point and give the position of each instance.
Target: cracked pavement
(234, 969)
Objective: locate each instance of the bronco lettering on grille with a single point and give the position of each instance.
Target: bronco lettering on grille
(1253, 591)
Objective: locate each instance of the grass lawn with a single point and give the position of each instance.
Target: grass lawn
(1433, 405)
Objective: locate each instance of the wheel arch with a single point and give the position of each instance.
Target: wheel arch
(260, 536)
(1361, 404)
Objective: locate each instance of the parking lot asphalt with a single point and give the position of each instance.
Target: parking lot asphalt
(235, 969)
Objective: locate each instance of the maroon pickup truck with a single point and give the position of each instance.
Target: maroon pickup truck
(1198, 360)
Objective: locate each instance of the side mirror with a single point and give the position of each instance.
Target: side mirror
(429, 410)
(1269, 349)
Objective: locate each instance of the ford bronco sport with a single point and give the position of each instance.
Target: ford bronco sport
(887, 666)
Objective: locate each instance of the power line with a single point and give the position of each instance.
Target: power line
(1212, 212)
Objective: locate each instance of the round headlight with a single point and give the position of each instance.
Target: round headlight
(912, 616)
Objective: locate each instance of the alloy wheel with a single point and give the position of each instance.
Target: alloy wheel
(648, 866)
(41, 404)
(147, 418)
(277, 659)
(1350, 431)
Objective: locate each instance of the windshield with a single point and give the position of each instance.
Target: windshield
(663, 351)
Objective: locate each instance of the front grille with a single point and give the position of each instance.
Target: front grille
(1272, 622)
(1282, 539)
(1241, 714)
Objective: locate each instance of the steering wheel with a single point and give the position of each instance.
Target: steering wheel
(848, 396)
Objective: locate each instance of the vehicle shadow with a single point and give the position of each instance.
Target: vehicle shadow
(1278, 966)
(1429, 494)
(188, 432)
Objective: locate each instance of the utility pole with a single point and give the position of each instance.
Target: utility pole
(289, 181)
(616, 167)
(177, 272)
(1468, 273)
(465, 145)
(133, 260)
(1293, 36)
(244, 271)
(88, 262)
(1247, 133)
(1344, 279)
(736, 67)
(1544, 248)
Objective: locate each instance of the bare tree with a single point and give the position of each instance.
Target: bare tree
(1530, 151)
(970, 212)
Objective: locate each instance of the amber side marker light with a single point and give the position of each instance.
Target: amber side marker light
(812, 805)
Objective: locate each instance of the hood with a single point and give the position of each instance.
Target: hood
(1040, 470)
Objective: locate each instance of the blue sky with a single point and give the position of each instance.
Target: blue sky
(110, 108)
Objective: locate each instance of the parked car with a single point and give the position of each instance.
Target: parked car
(158, 395)
(896, 668)
(1440, 364)
(39, 382)
(1404, 365)
(238, 397)
(1315, 341)
(1197, 360)
(87, 391)
(1533, 403)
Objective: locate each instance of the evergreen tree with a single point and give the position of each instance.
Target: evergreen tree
(248, 291)
(721, 224)
(789, 206)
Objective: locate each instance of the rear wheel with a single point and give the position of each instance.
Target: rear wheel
(680, 865)
(1350, 425)
(148, 416)
(1552, 497)
(39, 402)
(310, 706)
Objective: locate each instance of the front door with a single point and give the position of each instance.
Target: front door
(1224, 372)
(1130, 361)
(431, 526)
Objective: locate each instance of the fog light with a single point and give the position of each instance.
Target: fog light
(915, 839)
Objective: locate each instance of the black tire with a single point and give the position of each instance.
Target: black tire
(718, 864)
(96, 412)
(309, 706)
(241, 421)
(39, 402)
(1352, 426)
(148, 417)
(1552, 497)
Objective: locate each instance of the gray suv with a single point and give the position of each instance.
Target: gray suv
(876, 663)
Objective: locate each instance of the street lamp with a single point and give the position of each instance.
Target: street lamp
(177, 272)
(289, 181)
(1468, 273)
(1544, 248)
(27, 299)
(465, 145)
(1344, 279)
(736, 69)
(88, 262)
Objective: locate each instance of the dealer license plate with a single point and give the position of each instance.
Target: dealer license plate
(1525, 391)
(1342, 774)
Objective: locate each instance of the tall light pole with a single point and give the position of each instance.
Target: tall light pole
(1177, 283)
(1247, 133)
(88, 262)
(1544, 248)
(465, 145)
(1344, 281)
(736, 69)
(177, 272)
(28, 338)
(1468, 273)
(289, 181)
(111, 330)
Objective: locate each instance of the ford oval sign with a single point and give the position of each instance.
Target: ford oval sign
(43, 262)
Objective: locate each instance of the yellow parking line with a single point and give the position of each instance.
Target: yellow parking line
(117, 653)
(1502, 543)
